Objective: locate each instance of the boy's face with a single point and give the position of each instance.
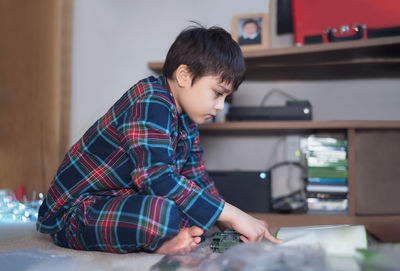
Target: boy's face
(204, 98)
(249, 29)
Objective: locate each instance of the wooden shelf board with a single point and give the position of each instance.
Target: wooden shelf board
(155, 66)
(287, 220)
(360, 45)
(248, 126)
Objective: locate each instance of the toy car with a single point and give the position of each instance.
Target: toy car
(221, 241)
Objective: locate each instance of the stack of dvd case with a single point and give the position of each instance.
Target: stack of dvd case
(326, 175)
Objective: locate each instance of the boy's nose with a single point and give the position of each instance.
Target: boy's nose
(220, 105)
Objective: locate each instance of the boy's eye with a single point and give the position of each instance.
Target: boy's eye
(218, 94)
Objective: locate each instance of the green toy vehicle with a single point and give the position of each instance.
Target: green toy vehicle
(221, 241)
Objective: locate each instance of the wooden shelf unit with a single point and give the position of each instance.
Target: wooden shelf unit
(373, 58)
(385, 227)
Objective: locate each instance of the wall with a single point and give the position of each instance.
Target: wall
(114, 40)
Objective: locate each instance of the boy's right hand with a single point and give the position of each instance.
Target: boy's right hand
(252, 229)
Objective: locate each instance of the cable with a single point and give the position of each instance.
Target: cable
(285, 163)
(294, 201)
(288, 163)
(289, 177)
(274, 151)
(278, 91)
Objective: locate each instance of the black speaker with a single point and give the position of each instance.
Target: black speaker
(250, 191)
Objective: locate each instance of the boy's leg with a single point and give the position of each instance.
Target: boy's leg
(121, 224)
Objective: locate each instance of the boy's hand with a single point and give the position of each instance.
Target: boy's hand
(252, 229)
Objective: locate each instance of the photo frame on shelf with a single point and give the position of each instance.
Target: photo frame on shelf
(251, 31)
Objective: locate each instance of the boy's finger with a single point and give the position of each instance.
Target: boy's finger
(244, 238)
(271, 238)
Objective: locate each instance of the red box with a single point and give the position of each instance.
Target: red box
(323, 21)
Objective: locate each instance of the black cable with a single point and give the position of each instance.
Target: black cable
(286, 163)
(279, 91)
(291, 197)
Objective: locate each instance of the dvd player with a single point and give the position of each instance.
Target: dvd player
(293, 110)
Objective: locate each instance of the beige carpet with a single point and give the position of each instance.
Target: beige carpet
(34, 248)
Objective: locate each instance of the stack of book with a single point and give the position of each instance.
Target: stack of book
(326, 175)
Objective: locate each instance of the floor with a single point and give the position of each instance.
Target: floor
(22, 248)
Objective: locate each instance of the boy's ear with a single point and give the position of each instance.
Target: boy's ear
(183, 76)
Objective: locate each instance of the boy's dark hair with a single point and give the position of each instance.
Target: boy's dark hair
(207, 51)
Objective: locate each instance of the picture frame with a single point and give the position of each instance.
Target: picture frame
(251, 31)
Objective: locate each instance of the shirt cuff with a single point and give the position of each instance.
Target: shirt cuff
(197, 204)
(205, 209)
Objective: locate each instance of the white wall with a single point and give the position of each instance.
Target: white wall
(114, 39)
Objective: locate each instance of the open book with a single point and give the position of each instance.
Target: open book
(337, 240)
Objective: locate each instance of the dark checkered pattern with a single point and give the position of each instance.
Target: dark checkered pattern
(133, 179)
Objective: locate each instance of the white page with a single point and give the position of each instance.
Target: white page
(338, 240)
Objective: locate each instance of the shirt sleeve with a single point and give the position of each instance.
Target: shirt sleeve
(194, 168)
(147, 135)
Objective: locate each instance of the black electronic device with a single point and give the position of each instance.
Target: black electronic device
(248, 190)
(292, 110)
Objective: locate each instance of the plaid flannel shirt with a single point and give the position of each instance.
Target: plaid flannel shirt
(141, 145)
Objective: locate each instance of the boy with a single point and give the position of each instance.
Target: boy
(135, 180)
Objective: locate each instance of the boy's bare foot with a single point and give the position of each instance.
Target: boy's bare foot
(183, 242)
